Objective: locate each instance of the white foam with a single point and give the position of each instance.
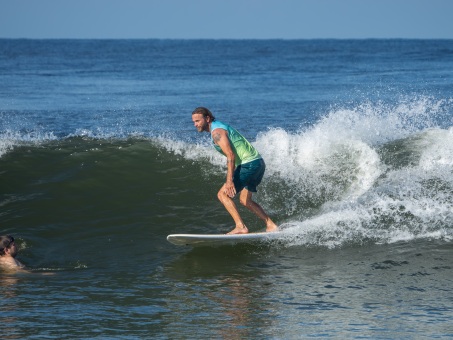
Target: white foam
(438, 150)
(6, 145)
(9, 139)
(190, 151)
(366, 200)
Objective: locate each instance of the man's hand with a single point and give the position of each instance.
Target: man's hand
(229, 189)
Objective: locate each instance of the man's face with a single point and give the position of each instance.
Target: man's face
(200, 122)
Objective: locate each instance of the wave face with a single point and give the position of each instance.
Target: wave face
(373, 173)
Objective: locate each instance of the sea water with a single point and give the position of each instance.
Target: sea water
(99, 161)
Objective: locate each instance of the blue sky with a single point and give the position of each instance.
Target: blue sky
(226, 19)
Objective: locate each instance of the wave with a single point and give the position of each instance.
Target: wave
(364, 175)
(370, 173)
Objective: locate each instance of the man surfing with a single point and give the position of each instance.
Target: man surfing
(245, 168)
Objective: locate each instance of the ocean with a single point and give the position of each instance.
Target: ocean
(100, 161)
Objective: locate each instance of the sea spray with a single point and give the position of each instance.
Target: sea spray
(342, 184)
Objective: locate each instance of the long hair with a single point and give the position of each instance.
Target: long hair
(205, 112)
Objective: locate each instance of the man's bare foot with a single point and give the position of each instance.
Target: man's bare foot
(271, 227)
(238, 230)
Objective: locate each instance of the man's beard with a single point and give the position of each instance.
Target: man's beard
(204, 127)
(13, 253)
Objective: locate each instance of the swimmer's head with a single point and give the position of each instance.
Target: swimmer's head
(7, 244)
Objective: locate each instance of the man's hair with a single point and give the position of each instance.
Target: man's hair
(204, 111)
(5, 242)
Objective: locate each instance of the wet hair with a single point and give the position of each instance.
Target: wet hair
(204, 111)
(5, 242)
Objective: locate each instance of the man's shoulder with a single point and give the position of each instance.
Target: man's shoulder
(219, 125)
(10, 263)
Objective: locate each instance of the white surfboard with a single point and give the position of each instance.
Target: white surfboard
(197, 240)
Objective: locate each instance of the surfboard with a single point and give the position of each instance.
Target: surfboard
(197, 240)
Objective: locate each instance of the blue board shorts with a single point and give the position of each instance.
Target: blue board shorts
(249, 175)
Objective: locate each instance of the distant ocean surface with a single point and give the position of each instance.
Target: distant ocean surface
(99, 162)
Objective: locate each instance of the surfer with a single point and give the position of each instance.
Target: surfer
(245, 168)
(8, 253)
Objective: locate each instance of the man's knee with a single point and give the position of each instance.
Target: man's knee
(221, 195)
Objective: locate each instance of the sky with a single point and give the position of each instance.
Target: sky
(226, 19)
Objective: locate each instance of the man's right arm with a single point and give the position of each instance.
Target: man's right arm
(220, 137)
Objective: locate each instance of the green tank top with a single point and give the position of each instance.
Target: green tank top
(244, 152)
